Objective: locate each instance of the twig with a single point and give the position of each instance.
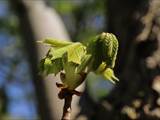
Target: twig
(66, 94)
(67, 107)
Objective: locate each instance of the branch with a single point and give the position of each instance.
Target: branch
(66, 94)
(67, 107)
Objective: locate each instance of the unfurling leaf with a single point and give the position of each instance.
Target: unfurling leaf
(75, 52)
(110, 48)
(109, 75)
(104, 51)
(71, 79)
(55, 43)
(76, 59)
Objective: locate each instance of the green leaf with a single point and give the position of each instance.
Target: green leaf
(101, 67)
(103, 48)
(48, 66)
(109, 49)
(55, 43)
(71, 77)
(56, 66)
(85, 61)
(109, 75)
(74, 51)
(74, 58)
(69, 67)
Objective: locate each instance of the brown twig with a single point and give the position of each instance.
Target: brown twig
(66, 94)
(67, 107)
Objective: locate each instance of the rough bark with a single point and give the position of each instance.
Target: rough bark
(137, 25)
(136, 96)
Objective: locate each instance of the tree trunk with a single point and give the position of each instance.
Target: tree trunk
(137, 27)
(38, 21)
(137, 95)
(29, 43)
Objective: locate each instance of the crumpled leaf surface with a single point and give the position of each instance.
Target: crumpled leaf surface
(97, 56)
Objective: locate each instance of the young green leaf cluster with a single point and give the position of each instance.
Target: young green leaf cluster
(104, 50)
(74, 60)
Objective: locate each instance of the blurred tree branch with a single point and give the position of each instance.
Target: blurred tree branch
(29, 38)
(38, 21)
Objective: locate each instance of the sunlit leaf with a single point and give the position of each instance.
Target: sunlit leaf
(71, 77)
(109, 49)
(73, 59)
(55, 43)
(109, 75)
(74, 51)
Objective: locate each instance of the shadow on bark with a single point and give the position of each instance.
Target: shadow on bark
(136, 24)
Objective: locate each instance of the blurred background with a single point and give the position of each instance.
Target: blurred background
(26, 96)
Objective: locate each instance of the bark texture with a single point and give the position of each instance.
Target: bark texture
(136, 23)
(138, 27)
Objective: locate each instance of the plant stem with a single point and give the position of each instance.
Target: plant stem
(67, 107)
